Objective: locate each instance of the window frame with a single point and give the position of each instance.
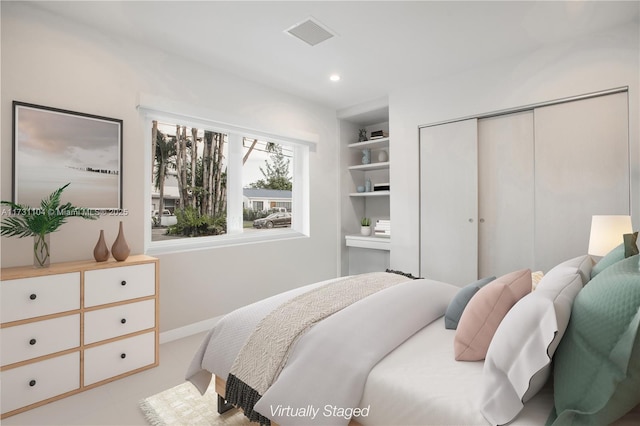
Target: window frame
(234, 236)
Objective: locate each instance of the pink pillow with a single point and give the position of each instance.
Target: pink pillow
(485, 311)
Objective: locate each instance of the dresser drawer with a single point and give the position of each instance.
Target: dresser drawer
(36, 296)
(39, 338)
(110, 285)
(35, 382)
(115, 358)
(119, 320)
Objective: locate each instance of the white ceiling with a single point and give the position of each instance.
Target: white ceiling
(380, 45)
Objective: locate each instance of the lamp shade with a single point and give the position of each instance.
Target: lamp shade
(607, 232)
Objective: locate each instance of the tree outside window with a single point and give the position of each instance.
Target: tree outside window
(190, 176)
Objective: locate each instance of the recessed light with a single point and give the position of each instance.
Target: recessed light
(334, 77)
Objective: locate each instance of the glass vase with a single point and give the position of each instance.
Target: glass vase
(366, 156)
(41, 254)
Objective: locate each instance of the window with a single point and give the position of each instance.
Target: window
(213, 186)
(189, 181)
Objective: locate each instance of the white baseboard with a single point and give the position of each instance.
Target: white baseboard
(188, 330)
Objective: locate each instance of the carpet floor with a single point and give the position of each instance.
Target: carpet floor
(183, 405)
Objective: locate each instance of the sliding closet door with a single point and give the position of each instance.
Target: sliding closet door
(449, 202)
(582, 169)
(505, 201)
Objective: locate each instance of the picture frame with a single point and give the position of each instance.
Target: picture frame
(53, 147)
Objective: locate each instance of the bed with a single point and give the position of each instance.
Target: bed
(387, 358)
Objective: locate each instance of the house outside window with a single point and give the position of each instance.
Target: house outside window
(258, 199)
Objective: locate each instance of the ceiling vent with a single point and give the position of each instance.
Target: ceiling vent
(310, 31)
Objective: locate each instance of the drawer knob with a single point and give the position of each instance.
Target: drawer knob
(32, 383)
(123, 320)
(32, 342)
(33, 296)
(123, 356)
(123, 282)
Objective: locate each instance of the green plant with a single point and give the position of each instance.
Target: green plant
(218, 225)
(191, 223)
(37, 222)
(365, 221)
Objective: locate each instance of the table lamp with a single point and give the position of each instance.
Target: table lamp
(607, 232)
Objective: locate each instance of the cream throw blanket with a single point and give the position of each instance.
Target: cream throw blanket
(265, 353)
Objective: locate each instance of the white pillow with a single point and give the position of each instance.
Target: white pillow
(581, 264)
(518, 360)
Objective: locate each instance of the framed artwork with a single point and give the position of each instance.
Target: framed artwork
(53, 147)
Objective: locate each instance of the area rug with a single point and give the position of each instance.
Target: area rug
(184, 406)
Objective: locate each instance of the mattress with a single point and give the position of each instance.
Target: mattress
(420, 383)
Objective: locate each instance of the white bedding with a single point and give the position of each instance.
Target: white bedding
(329, 365)
(230, 333)
(418, 383)
(434, 388)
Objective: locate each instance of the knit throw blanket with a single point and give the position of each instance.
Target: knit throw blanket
(265, 352)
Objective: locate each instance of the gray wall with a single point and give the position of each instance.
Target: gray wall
(599, 62)
(50, 61)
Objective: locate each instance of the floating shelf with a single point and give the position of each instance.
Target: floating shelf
(369, 167)
(370, 194)
(375, 143)
(375, 243)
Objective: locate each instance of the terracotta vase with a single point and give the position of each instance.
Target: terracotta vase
(101, 251)
(120, 249)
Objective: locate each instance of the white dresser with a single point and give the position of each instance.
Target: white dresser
(74, 326)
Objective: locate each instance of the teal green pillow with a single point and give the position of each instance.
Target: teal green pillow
(614, 256)
(597, 365)
(460, 300)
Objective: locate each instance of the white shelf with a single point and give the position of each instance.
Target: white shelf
(369, 167)
(375, 243)
(375, 143)
(365, 253)
(370, 194)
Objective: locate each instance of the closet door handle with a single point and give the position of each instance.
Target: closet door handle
(470, 220)
(481, 220)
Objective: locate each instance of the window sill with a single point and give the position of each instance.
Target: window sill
(220, 241)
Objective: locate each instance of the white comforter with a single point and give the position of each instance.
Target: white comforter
(323, 380)
(223, 342)
(435, 388)
(418, 383)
